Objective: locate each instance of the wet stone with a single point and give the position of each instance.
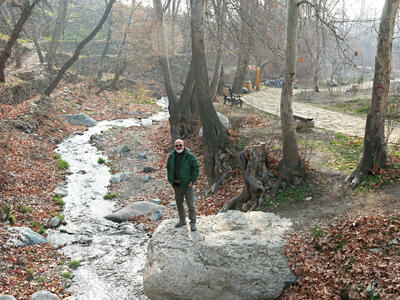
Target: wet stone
(43, 295)
(156, 216)
(156, 201)
(148, 169)
(142, 156)
(147, 178)
(55, 221)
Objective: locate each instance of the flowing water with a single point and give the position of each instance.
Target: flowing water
(111, 255)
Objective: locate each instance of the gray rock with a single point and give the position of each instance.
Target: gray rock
(142, 156)
(61, 190)
(27, 236)
(147, 178)
(122, 149)
(156, 201)
(148, 169)
(308, 198)
(80, 119)
(55, 221)
(376, 250)
(156, 216)
(44, 295)
(121, 176)
(231, 256)
(172, 204)
(133, 210)
(7, 297)
(78, 106)
(224, 121)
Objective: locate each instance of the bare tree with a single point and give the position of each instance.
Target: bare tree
(374, 148)
(107, 44)
(78, 50)
(60, 24)
(244, 44)
(215, 136)
(26, 10)
(220, 12)
(291, 167)
(180, 120)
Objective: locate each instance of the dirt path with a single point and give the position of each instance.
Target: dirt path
(268, 100)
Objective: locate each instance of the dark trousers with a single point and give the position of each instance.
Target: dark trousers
(186, 192)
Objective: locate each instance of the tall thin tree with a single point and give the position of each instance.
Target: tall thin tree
(78, 50)
(291, 167)
(374, 148)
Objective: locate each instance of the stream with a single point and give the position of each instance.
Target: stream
(111, 255)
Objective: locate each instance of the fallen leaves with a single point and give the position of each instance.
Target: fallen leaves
(353, 259)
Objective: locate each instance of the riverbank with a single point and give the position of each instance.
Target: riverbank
(30, 173)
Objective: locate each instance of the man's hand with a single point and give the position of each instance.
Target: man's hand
(190, 184)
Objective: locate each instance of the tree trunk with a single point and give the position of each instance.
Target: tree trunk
(257, 180)
(106, 46)
(374, 149)
(291, 167)
(244, 55)
(120, 64)
(18, 56)
(78, 50)
(176, 107)
(220, 15)
(175, 9)
(6, 52)
(221, 82)
(214, 135)
(37, 47)
(60, 23)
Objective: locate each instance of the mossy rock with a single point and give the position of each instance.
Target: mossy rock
(4, 211)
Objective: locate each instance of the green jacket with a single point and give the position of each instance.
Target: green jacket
(188, 170)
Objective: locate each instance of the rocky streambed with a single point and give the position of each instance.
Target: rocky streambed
(111, 256)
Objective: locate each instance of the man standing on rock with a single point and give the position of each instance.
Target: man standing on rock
(183, 169)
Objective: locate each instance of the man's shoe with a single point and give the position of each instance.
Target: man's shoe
(192, 227)
(180, 224)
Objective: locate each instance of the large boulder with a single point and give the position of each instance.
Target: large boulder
(224, 121)
(232, 255)
(24, 236)
(80, 119)
(134, 210)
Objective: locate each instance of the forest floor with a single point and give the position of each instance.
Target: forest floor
(346, 243)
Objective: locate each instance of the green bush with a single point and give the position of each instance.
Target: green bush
(24, 209)
(57, 156)
(110, 196)
(74, 264)
(101, 160)
(58, 200)
(62, 164)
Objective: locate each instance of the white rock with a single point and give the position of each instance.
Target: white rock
(308, 198)
(6, 297)
(231, 256)
(43, 295)
(224, 120)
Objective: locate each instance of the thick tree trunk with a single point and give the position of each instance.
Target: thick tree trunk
(291, 167)
(60, 23)
(6, 52)
(257, 179)
(176, 107)
(374, 149)
(106, 46)
(18, 56)
(214, 135)
(244, 53)
(78, 50)
(220, 12)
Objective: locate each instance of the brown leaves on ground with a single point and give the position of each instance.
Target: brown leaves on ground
(351, 259)
(26, 270)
